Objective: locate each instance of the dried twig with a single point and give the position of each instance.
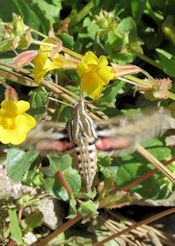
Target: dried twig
(59, 230)
(143, 222)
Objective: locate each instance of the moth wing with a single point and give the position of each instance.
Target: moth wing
(48, 130)
(123, 139)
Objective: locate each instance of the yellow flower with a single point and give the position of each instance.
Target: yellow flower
(43, 63)
(14, 122)
(94, 74)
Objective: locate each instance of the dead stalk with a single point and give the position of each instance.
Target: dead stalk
(148, 156)
(134, 226)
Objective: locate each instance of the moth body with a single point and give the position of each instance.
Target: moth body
(81, 131)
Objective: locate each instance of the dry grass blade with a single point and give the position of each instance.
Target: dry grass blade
(148, 156)
(166, 239)
(16, 77)
(114, 227)
(134, 226)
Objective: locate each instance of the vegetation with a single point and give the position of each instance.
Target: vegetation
(121, 56)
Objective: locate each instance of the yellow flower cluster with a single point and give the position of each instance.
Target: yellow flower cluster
(93, 71)
(14, 122)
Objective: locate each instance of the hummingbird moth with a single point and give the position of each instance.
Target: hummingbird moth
(117, 136)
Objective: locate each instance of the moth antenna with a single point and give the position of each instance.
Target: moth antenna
(59, 101)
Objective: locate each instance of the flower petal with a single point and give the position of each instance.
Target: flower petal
(22, 106)
(105, 73)
(4, 135)
(82, 69)
(90, 58)
(91, 84)
(9, 106)
(103, 61)
(12, 136)
(96, 93)
(16, 136)
(25, 122)
(57, 63)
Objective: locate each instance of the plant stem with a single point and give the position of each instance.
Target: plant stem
(64, 49)
(39, 33)
(72, 53)
(82, 13)
(149, 60)
(146, 83)
(11, 243)
(60, 178)
(59, 230)
(171, 95)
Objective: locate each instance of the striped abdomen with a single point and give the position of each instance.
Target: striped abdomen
(81, 130)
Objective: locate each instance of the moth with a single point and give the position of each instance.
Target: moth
(117, 136)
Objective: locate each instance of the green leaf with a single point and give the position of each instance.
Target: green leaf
(73, 179)
(63, 164)
(92, 29)
(86, 22)
(48, 185)
(27, 200)
(67, 40)
(34, 219)
(71, 176)
(16, 233)
(6, 45)
(124, 57)
(26, 10)
(114, 42)
(115, 200)
(109, 95)
(126, 26)
(157, 149)
(55, 190)
(64, 114)
(166, 61)
(49, 9)
(105, 161)
(134, 166)
(9, 8)
(61, 192)
(38, 102)
(88, 209)
(40, 15)
(128, 172)
(72, 208)
(57, 163)
(19, 162)
(137, 8)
